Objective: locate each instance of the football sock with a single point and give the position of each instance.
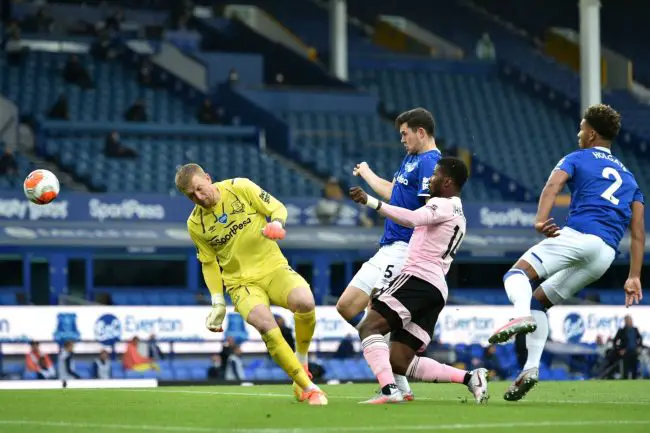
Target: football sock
(535, 341)
(286, 359)
(430, 370)
(401, 381)
(519, 291)
(375, 350)
(305, 325)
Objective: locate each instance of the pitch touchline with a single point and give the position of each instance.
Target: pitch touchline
(354, 397)
(179, 428)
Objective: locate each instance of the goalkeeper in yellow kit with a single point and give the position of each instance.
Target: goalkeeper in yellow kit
(237, 249)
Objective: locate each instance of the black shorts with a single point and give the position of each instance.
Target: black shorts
(411, 307)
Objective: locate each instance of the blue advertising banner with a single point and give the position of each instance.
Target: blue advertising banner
(507, 215)
(160, 208)
(104, 208)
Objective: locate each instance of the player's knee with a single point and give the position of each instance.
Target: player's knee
(261, 319)
(301, 300)
(304, 305)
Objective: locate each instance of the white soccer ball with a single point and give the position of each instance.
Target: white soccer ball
(41, 186)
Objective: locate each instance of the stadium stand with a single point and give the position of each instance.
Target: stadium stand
(36, 85)
(511, 129)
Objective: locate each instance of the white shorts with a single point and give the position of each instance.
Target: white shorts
(569, 262)
(382, 268)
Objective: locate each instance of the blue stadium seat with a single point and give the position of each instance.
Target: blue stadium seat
(8, 298)
(28, 375)
(117, 371)
(35, 86)
(153, 170)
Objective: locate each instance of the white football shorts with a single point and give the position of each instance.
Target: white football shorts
(569, 262)
(382, 268)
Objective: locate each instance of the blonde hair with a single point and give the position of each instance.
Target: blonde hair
(184, 175)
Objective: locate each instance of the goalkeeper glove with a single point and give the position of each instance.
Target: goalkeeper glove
(274, 231)
(214, 320)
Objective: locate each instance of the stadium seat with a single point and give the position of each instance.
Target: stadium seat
(37, 84)
(8, 298)
(82, 153)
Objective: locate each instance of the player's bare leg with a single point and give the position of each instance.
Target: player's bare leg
(301, 302)
(517, 284)
(261, 318)
(371, 331)
(352, 306)
(404, 360)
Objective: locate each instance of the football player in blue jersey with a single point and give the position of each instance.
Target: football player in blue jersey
(605, 201)
(409, 189)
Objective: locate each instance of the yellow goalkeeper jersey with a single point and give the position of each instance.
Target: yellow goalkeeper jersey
(231, 232)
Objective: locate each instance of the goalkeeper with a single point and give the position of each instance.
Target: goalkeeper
(237, 249)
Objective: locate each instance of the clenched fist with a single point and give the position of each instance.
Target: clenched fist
(358, 195)
(361, 169)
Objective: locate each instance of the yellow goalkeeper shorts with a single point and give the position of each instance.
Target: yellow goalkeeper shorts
(272, 289)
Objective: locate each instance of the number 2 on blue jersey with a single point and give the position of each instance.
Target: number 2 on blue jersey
(608, 194)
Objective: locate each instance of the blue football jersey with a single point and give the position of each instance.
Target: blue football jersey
(411, 184)
(602, 192)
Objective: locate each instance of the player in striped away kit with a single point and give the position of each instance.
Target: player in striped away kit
(410, 190)
(409, 307)
(605, 201)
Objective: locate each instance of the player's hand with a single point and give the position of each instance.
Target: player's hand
(358, 195)
(361, 169)
(274, 231)
(548, 228)
(214, 321)
(633, 291)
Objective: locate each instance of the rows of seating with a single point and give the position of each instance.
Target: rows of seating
(311, 23)
(263, 368)
(36, 85)
(153, 170)
(468, 107)
(333, 143)
(620, 30)
(8, 182)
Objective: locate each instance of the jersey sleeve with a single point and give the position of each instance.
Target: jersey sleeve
(261, 200)
(440, 209)
(204, 252)
(638, 196)
(568, 163)
(425, 171)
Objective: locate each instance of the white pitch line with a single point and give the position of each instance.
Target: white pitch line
(431, 427)
(355, 397)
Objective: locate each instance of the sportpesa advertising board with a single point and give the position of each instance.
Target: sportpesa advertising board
(185, 325)
(158, 208)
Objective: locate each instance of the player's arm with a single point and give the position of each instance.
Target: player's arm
(267, 205)
(213, 279)
(404, 217)
(425, 171)
(382, 187)
(554, 185)
(633, 292)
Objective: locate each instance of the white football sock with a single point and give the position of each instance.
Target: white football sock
(401, 381)
(519, 292)
(535, 341)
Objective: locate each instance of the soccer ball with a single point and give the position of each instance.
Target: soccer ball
(41, 186)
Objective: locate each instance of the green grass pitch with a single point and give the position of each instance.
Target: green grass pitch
(590, 406)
